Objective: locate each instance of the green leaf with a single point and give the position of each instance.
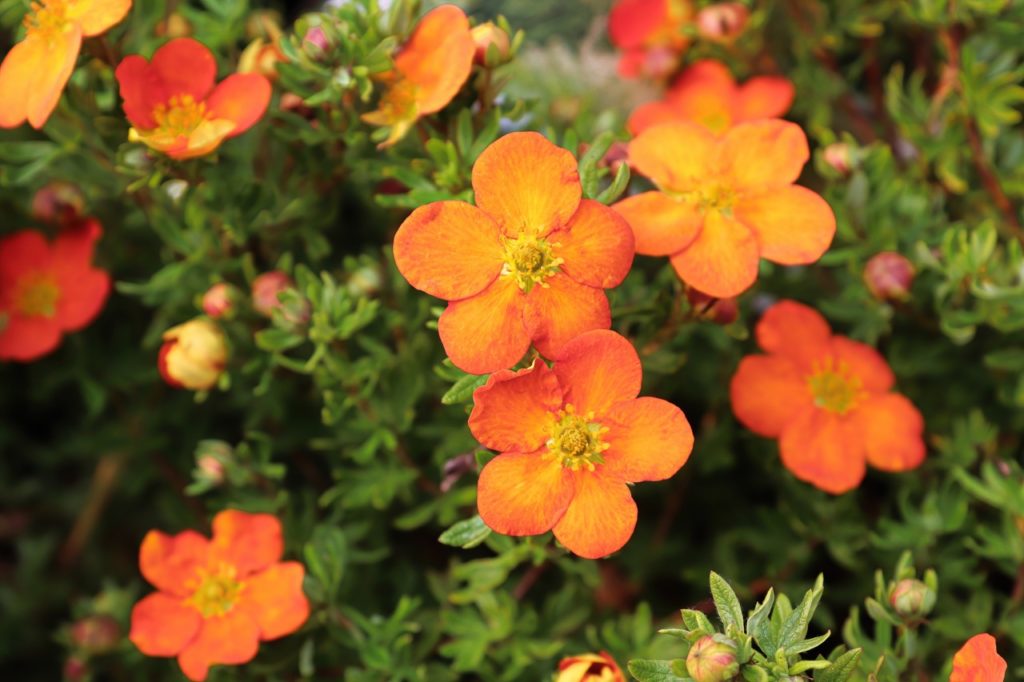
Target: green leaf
(726, 603)
(841, 670)
(618, 186)
(759, 616)
(807, 644)
(326, 556)
(653, 671)
(467, 533)
(462, 390)
(795, 627)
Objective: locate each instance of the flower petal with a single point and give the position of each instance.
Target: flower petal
(162, 625)
(600, 519)
(632, 22)
(767, 393)
(651, 114)
(764, 97)
(169, 562)
(597, 369)
(527, 183)
(449, 249)
(795, 331)
(241, 98)
(892, 431)
(820, 448)
(27, 338)
(184, 66)
(231, 639)
(22, 252)
(486, 332)
(865, 362)
(559, 312)
(793, 224)
(661, 225)
(597, 246)
(250, 542)
(676, 156)
(650, 440)
(523, 494)
(765, 153)
(96, 16)
(82, 298)
(438, 57)
(33, 76)
(275, 599)
(515, 410)
(978, 661)
(722, 261)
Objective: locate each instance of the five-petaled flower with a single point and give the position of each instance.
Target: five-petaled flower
(48, 288)
(35, 71)
(828, 400)
(650, 34)
(706, 93)
(599, 667)
(174, 106)
(430, 69)
(726, 202)
(217, 599)
(571, 438)
(978, 661)
(528, 263)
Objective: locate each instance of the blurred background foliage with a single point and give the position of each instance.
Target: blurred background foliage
(348, 426)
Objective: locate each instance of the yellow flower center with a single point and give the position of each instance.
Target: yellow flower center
(717, 198)
(834, 387)
(216, 590)
(576, 440)
(180, 116)
(530, 260)
(36, 295)
(47, 18)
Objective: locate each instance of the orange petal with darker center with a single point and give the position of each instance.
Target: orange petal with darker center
(438, 57)
(978, 661)
(241, 98)
(891, 428)
(275, 599)
(33, 76)
(864, 362)
(661, 225)
(486, 332)
(449, 249)
(597, 246)
(766, 153)
(722, 261)
(764, 97)
(600, 519)
(795, 331)
(767, 393)
(650, 440)
(821, 448)
(523, 494)
(516, 410)
(249, 542)
(597, 369)
(794, 226)
(677, 156)
(527, 183)
(162, 625)
(170, 562)
(231, 639)
(559, 312)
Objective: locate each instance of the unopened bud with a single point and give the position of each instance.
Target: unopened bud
(316, 38)
(712, 658)
(911, 598)
(261, 56)
(723, 22)
(718, 310)
(888, 276)
(96, 634)
(175, 26)
(75, 669)
(265, 290)
(219, 300)
(58, 202)
(599, 667)
(194, 355)
(839, 156)
(487, 34)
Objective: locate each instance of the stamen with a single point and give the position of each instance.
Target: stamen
(530, 260)
(37, 295)
(181, 115)
(47, 18)
(834, 387)
(216, 590)
(576, 440)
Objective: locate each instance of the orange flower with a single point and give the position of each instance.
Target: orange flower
(528, 263)
(827, 399)
(430, 69)
(216, 600)
(35, 71)
(599, 667)
(174, 107)
(726, 202)
(706, 93)
(978, 661)
(650, 34)
(48, 289)
(572, 437)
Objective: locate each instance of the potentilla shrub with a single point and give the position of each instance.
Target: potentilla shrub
(388, 343)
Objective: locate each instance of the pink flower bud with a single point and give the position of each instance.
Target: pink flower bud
(58, 202)
(219, 300)
(911, 598)
(888, 276)
(96, 634)
(487, 34)
(265, 290)
(723, 22)
(718, 310)
(317, 38)
(839, 156)
(712, 658)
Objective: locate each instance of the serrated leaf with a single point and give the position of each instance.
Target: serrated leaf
(726, 603)
(795, 627)
(467, 533)
(841, 669)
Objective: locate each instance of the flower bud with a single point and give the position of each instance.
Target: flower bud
(888, 276)
(96, 634)
(599, 667)
(260, 56)
(911, 598)
(265, 289)
(316, 38)
(487, 34)
(659, 63)
(58, 202)
(718, 310)
(722, 23)
(839, 156)
(193, 355)
(712, 658)
(219, 300)
(75, 669)
(175, 26)
(212, 459)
